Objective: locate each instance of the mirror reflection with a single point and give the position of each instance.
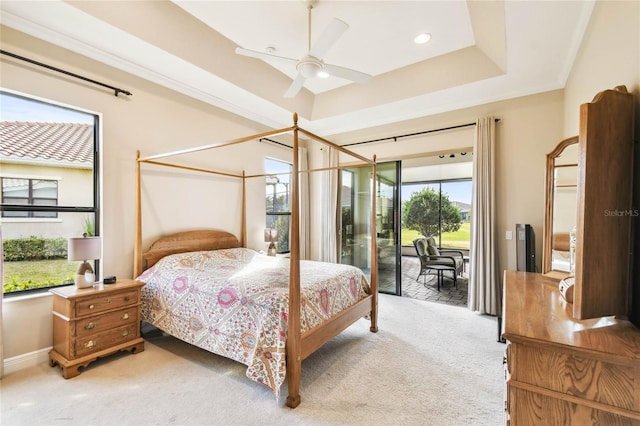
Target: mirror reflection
(561, 212)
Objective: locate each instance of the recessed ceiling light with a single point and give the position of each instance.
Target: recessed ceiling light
(422, 38)
(323, 74)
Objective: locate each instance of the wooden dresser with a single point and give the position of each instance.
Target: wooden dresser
(563, 371)
(91, 323)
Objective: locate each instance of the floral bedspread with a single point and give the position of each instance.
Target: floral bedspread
(234, 302)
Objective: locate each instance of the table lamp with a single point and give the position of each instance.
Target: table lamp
(84, 248)
(270, 234)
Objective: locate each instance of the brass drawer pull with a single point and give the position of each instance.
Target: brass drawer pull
(90, 326)
(125, 316)
(127, 298)
(90, 344)
(109, 300)
(125, 333)
(91, 306)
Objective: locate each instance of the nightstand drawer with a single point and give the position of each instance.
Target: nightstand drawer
(98, 342)
(106, 302)
(97, 324)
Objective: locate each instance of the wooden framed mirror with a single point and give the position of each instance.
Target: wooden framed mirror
(561, 209)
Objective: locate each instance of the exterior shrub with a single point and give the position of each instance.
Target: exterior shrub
(34, 248)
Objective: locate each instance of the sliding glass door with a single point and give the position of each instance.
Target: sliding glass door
(356, 219)
(388, 227)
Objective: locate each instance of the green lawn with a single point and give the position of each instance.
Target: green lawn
(459, 239)
(36, 274)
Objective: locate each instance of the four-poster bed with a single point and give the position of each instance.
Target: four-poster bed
(306, 318)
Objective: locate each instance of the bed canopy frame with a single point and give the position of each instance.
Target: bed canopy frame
(299, 345)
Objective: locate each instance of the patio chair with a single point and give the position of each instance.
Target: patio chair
(430, 254)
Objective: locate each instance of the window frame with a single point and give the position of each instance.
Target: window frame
(275, 214)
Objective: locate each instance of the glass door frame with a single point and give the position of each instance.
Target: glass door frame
(353, 248)
(396, 225)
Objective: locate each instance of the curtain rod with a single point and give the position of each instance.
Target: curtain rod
(394, 138)
(276, 142)
(116, 90)
(391, 137)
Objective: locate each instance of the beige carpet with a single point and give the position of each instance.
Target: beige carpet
(430, 364)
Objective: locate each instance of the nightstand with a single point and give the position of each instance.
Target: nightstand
(89, 324)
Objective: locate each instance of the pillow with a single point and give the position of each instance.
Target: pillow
(432, 250)
(421, 246)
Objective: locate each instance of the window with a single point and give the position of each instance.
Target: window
(49, 179)
(278, 204)
(30, 192)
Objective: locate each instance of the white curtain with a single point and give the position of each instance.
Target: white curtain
(485, 292)
(329, 203)
(303, 164)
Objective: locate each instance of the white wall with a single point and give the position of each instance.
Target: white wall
(609, 57)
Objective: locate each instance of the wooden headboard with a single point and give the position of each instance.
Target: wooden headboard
(180, 242)
(561, 241)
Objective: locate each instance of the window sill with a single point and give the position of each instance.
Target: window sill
(13, 298)
(30, 220)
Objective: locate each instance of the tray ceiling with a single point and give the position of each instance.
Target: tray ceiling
(479, 52)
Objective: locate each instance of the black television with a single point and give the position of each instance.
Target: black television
(525, 248)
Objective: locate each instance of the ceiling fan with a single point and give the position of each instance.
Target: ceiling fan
(311, 65)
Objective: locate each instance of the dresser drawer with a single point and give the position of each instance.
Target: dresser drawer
(106, 302)
(570, 374)
(97, 342)
(531, 408)
(97, 324)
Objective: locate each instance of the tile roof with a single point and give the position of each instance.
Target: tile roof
(64, 142)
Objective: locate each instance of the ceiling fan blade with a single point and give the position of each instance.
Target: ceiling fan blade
(346, 73)
(329, 36)
(265, 56)
(295, 86)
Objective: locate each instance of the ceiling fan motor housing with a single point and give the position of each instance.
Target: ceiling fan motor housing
(309, 66)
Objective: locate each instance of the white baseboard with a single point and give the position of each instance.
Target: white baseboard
(13, 364)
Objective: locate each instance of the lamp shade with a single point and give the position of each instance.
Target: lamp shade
(84, 248)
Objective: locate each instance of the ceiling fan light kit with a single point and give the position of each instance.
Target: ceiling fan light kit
(309, 67)
(312, 65)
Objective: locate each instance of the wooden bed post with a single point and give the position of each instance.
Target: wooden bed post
(243, 225)
(294, 357)
(137, 242)
(374, 253)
